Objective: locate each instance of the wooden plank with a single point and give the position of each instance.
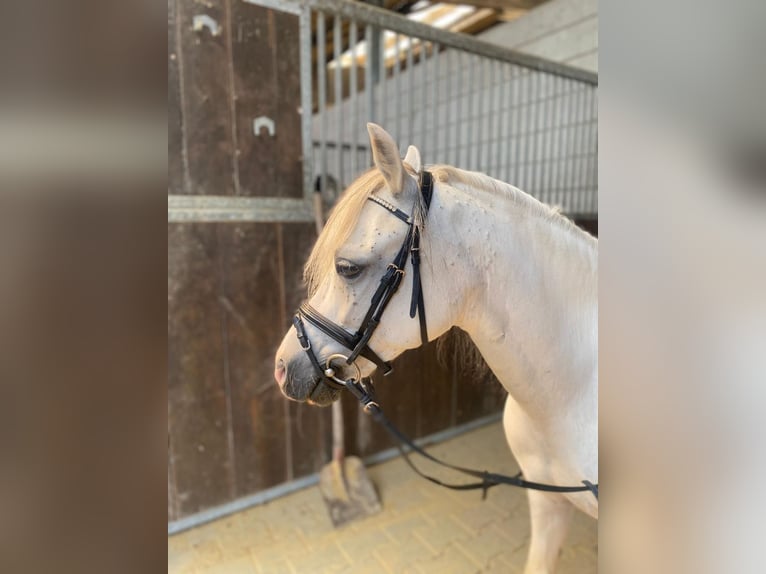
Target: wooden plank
(203, 62)
(311, 430)
(265, 56)
(254, 38)
(172, 502)
(201, 455)
(473, 393)
(311, 438)
(298, 240)
(176, 180)
(197, 413)
(478, 395)
(399, 394)
(250, 303)
(436, 401)
(289, 153)
(194, 318)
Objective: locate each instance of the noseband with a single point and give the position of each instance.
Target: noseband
(358, 343)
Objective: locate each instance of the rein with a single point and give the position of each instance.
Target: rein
(358, 344)
(364, 392)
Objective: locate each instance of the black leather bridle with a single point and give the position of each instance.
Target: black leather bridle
(358, 342)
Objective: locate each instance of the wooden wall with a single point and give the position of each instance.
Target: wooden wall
(232, 287)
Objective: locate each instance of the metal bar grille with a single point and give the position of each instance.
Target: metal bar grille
(522, 125)
(386, 20)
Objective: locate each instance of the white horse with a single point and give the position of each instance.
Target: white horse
(518, 277)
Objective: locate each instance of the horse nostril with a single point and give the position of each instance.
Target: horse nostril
(280, 372)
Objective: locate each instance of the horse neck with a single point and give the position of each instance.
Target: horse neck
(526, 293)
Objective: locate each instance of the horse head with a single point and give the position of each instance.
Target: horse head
(368, 230)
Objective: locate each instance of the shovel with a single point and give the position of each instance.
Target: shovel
(344, 484)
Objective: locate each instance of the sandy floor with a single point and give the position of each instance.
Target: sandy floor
(422, 529)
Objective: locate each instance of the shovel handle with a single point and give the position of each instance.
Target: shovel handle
(337, 431)
(338, 452)
(318, 210)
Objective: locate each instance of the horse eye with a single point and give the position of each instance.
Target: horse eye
(347, 269)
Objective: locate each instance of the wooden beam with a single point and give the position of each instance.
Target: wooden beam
(476, 22)
(511, 14)
(498, 4)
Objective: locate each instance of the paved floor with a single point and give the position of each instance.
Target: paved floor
(422, 528)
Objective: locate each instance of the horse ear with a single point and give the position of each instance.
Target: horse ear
(413, 159)
(385, 154)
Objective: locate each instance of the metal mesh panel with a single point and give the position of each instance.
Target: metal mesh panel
(534, 129)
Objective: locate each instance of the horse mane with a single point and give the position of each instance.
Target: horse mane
(456, 350)
(456, 342)
(468, 180)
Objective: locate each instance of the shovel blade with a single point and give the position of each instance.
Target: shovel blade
(347, 491)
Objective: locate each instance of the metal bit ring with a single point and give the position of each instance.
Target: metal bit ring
(330, 372)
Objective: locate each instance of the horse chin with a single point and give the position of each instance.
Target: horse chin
(309, 390)
(323, 395)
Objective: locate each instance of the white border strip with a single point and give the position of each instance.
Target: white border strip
(212, 208)
(289, 6)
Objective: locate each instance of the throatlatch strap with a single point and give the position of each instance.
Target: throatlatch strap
(417, 305)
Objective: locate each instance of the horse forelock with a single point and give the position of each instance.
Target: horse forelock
(341, 223)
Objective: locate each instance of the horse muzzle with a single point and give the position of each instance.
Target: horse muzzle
(298, 380)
